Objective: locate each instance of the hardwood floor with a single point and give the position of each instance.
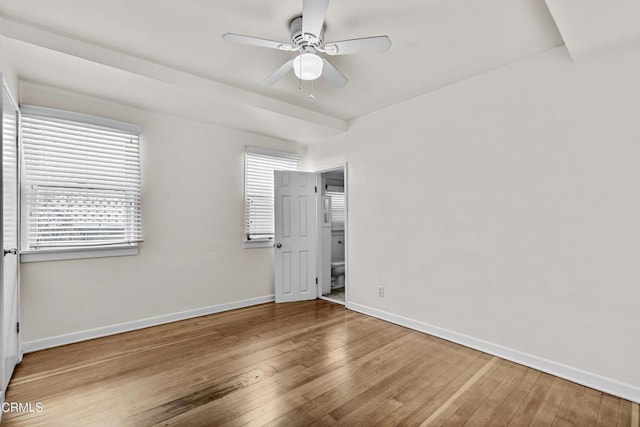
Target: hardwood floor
(308, 363)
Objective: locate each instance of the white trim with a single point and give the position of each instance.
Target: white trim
(333, 300)
(328, 168)
(332, 167)
(274, 153)
(44, 343)
(588, 379)
(248, 244)
(19, 217)
(77, 253)
(54, 113)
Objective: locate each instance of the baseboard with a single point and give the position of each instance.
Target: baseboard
(588, 379)
(44, 343)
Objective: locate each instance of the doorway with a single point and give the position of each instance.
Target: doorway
(310, 235)
(332, 235)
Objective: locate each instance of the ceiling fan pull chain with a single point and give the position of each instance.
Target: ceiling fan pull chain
(300, 74)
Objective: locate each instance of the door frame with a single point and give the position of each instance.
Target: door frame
(6, 88)
(19, 211)
(328, 168)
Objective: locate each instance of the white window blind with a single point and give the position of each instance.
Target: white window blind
(81, 181)
(259, 166)
(337, 209)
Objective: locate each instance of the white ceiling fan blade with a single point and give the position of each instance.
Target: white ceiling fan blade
(313, 14)
(332, 75)
(278, 74)
(255, 41)
(364, 45)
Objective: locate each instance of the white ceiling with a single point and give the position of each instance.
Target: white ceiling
(435, 43)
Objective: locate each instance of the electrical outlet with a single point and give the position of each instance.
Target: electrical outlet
(381, 291)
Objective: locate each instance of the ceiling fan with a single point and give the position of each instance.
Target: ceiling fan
(307, 39)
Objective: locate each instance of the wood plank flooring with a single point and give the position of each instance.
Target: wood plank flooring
(309, 363)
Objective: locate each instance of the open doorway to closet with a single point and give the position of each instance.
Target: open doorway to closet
(332, 235)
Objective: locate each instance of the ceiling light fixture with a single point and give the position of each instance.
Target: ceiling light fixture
(308, 66)
(307, 40)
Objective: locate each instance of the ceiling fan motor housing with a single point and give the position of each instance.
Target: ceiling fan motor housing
(300, 40)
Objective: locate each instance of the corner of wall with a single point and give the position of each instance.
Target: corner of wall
(7, 68)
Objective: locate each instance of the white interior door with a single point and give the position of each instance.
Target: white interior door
(295, 236)
(9, 236)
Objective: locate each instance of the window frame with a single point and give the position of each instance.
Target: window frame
(75, 252)
(334, 192)
(262, 243)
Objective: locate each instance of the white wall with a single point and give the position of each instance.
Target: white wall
(193, 254)
(7, 69)
(507, 208)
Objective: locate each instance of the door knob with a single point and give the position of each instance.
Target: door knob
(11, 251)
(278, 245)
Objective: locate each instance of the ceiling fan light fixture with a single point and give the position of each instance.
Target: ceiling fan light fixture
(307, 38)
(308, 66)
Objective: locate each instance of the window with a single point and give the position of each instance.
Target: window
(337, 209)
(80, 184)
(258, 191)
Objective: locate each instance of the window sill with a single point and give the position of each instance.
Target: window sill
(248, 244)
(78, 253)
